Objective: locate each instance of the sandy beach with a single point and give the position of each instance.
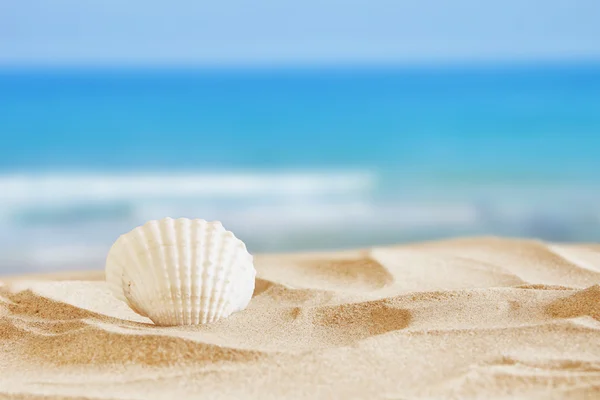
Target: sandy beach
(465, 318)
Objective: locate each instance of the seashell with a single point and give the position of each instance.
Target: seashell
(181, 271)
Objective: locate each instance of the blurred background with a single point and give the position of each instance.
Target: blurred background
(300, 125)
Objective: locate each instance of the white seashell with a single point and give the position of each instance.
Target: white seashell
(181, 271)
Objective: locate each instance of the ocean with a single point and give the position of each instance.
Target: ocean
(295, 159)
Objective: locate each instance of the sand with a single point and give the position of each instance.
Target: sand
(470, 318)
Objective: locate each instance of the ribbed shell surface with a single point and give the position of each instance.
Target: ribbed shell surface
(181, 271)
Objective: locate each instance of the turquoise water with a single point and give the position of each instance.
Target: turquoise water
(537, 120)
(362, 156)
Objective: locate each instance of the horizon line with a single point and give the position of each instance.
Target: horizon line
(322, 65)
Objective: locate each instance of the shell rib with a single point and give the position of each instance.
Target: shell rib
(181, 271)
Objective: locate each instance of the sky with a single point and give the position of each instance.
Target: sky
(238, 32)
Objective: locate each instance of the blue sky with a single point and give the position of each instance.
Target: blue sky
(300, 32)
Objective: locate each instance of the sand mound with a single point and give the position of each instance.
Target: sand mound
(468, 318)
(342, 273)
(585, 302)
(61, 334)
